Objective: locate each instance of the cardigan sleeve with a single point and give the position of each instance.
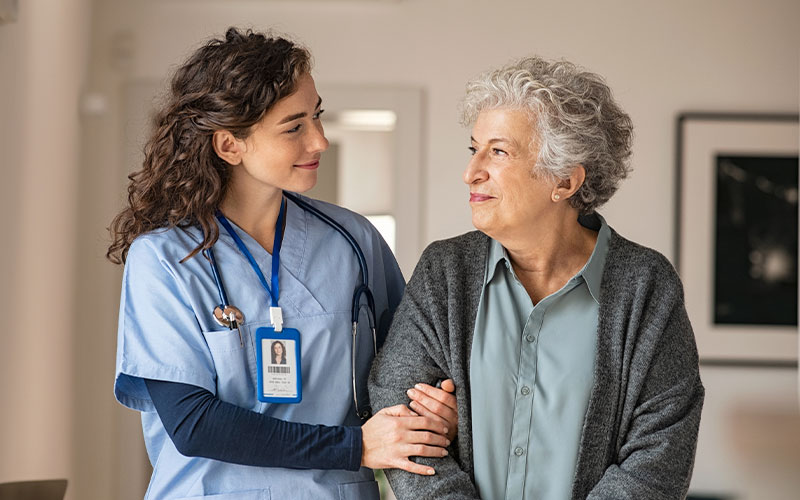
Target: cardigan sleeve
(416, 351)
(658, 439)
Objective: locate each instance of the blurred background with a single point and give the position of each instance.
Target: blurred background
(79, 77)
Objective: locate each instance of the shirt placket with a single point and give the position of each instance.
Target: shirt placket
(523, 404)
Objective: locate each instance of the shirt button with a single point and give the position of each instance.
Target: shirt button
(518, 451)
(529, 338)
(525, 390)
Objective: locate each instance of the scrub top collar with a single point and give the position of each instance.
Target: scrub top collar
(296, 298)
(295, 237)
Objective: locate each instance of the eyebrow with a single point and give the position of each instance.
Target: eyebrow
(496, 139)
(299, 115)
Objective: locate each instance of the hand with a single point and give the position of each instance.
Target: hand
(396, 433)
(439, 404)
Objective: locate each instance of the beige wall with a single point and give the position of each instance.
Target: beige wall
(721, 55)
(660, 59)
(43, 58)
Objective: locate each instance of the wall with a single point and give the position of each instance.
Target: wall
(43, 60)
(749, 446)
(660, 59)
(365, 174)
(11, 39)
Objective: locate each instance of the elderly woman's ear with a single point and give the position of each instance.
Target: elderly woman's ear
(569, 186)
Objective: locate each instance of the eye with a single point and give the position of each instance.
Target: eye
(472, 150)
(318, 114)
(499, 152)
(294, 129)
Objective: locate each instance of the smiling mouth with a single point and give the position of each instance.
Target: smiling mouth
(309, 166)
(478, 197)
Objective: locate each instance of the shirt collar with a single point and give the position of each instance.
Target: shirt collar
(592, 271)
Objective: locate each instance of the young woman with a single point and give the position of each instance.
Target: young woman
(221, 260)
(278, 357)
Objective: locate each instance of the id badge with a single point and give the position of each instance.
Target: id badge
(278, 357)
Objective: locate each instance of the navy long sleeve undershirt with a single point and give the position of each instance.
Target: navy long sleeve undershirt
(201, 425)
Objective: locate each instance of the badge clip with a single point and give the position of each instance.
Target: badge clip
(276, 318)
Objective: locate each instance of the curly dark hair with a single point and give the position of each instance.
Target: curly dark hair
(228, 84)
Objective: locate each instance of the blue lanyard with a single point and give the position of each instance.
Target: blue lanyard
(276, 253)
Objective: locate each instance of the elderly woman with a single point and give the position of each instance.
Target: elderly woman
(575, 365)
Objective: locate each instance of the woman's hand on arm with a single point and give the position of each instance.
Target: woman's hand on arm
(438, 404)
(396, 433)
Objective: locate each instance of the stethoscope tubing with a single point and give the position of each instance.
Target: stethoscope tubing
(362, 289)
(223, 297)
(362, 261)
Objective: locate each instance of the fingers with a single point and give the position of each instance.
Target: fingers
(428, 406)
(421, 410)
(436, 401)
(438, 404)
(388, 440)
(407, 420)
(420, 450)
(428, 438)
(440, 396)
(423, 423)
(398, 411)
(414, 468)
(425, 412)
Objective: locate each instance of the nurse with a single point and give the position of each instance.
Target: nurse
(241, 125)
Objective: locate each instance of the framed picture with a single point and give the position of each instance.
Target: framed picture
(736, 234)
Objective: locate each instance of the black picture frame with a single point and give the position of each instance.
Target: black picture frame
(746, 147)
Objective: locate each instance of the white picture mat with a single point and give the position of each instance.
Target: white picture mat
(703, 140)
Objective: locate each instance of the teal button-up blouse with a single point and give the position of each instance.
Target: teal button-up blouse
(531, 373)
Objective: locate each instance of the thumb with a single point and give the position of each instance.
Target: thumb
(448, 385)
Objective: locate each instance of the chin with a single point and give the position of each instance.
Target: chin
(486, 226)
(480, 224)
(301, 186)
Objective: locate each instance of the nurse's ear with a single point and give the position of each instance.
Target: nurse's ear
(228, 147)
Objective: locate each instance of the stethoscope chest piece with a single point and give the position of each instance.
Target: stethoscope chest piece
(229, 316)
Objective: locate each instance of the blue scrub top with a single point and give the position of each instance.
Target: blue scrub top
(167, 332)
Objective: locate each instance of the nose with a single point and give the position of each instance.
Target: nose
(475, 171)
(317, 141)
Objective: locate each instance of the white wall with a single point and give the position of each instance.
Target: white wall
(660, 59)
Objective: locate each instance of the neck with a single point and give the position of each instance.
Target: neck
(255, 211)
(546, 254)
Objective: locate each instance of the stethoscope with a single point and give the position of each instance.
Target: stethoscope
(228, 315)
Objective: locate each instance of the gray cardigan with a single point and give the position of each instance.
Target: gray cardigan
(640, 432)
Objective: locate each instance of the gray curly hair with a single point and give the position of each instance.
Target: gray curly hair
(577, 120)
